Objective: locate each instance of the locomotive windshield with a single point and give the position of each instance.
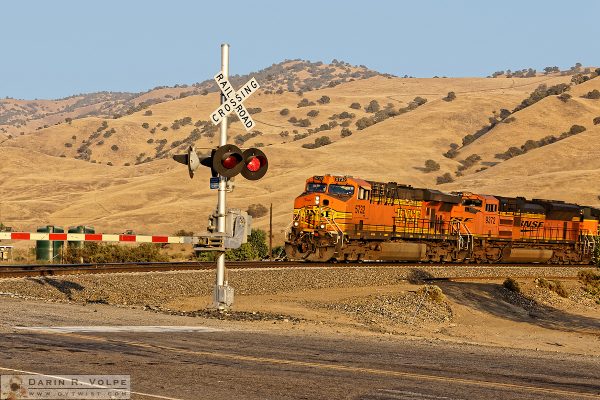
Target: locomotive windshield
(341, 190)
(316, 187)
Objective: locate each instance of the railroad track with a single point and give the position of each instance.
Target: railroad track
(460, 270)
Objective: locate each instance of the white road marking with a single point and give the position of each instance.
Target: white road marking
(154, 396)
(413, 395)
(125, 329)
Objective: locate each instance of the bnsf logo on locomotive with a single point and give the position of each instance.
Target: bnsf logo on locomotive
(532, 224)
(403, 213)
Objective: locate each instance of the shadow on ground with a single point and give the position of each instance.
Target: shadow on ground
(63, 286)
(500, 302)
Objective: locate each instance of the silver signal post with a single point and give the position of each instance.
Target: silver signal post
(223, 294)
(227, 161)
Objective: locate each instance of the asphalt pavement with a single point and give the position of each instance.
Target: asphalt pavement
(191, 361)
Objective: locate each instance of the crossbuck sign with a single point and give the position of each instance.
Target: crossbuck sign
(234, 101)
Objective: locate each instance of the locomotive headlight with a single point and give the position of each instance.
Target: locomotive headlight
(322, 226)
(296, 223)
(317, 198)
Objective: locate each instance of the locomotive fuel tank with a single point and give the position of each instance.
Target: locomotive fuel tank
(393, 251)
(521, 255)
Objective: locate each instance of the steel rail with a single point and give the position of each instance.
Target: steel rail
(31, 270)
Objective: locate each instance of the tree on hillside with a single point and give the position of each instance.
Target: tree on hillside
(257, 210)
(373, 107)
(451, 96)
(431, 165)
(324, 100)
(446, 178)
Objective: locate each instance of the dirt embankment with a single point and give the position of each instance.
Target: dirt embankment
(547, 315)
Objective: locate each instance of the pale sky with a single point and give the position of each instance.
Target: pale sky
(52, 49)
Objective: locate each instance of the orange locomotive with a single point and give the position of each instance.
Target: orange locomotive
(350, 219)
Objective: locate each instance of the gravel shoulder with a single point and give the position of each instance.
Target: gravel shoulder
(374, 302)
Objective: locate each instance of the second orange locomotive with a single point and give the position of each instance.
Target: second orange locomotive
(344, 218)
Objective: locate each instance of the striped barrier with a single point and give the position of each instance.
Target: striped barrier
(96, 237)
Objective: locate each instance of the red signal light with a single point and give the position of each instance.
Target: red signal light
(227, 160)
(230, 162)
(256, 164)
(253, 164)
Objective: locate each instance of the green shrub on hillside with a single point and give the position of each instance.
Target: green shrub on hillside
(345, 132)
(305, 103)
(319, 142)
(451, 96)
(541, 92)
(564, 97)
(446, 178)
(257, 210)
(594, 94)
(373, 107)
(324, 100)
(431, 166)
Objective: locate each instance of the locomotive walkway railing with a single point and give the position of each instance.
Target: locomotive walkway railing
(588, 243)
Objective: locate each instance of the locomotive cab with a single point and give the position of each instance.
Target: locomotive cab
(319, 216)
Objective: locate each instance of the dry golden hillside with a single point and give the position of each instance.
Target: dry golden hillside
(117, 173)
(21, 117)
(567, 170)
(549, 116)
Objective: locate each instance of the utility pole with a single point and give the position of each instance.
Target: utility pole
(271, 233)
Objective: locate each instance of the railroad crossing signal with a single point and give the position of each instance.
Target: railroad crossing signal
(234, 101)
(228, 161)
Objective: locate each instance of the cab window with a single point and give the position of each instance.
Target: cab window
(316, 187)
(363, 194)
(472, 202)
(491, 207)
(341, 190)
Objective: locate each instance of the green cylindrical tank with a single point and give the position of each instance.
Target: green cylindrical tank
(46, 250)
(79, 229)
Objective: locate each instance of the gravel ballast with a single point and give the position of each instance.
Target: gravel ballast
(160, 287)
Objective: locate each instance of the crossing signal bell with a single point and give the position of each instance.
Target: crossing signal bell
(190, 159)
(228, 161)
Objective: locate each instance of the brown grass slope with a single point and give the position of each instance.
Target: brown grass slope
(40, 187)
(567, 170)
(21, 117)
(549, 116)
